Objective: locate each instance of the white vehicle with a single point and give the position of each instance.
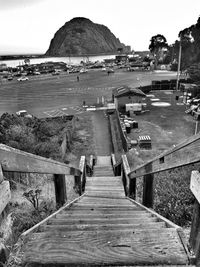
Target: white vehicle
(23, 113)
(36, 73)
(83, 71)
(21, 79)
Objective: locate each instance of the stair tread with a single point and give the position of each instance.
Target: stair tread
(149, 246)
(97, 227)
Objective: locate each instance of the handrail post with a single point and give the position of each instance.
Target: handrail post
(148, 187)
(60, 189)
(77, 184)
(194, 239)
(132, 188)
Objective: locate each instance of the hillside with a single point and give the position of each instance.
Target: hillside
(80, 36)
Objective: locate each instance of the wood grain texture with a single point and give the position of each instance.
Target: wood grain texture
(97, 227)
(195, 184)
(5, 195)
(159, 246)
(16, 160)
(104, 228)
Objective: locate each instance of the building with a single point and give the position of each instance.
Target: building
(124, 95)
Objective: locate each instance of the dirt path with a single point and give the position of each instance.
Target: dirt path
(101, 134)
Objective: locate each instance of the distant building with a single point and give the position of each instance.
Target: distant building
(121, 58)
(124, 95)
(3, 67)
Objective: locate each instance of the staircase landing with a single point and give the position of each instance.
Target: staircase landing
(105, 228)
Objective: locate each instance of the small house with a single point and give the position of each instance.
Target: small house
(126, 95)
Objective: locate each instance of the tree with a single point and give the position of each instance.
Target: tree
(158, 46)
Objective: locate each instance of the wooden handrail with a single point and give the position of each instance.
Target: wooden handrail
(15, 160)
(185, 153)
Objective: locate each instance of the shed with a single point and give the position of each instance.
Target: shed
(126, 95)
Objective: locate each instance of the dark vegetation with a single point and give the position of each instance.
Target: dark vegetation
(33, 135)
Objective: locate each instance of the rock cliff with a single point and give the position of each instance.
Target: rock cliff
(80, 36)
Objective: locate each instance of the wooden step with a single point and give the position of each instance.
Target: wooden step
(104, 189)
(101, 221)
(100, 248)
(97, 227)
(97, 215)
(107, 194)
(97, 200)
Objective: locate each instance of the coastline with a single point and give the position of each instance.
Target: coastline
(32, 56)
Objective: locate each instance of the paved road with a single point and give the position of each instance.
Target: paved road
(101, 134)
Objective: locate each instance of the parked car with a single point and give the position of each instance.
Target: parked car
(56, 73)
(23, 113)
(83, 71)
(110, 70)
(21, 79)
(10, 78)
(36, 73)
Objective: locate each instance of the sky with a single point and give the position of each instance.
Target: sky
(27, 26)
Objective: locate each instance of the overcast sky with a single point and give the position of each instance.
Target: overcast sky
(27, 26)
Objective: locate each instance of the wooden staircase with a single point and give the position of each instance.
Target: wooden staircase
(105, 228)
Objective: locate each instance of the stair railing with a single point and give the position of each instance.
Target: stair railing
(14, 160)
(185, 153)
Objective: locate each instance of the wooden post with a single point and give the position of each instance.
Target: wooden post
(194, 239)
(124, 181)
(132, 188)
(77, 184)
(148, 187)
(60, 189)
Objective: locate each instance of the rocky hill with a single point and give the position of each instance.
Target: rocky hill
(80, 36)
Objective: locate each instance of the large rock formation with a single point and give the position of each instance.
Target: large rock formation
(80, 36)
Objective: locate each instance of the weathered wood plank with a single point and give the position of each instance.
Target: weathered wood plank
(97, 227)
(103, 188)
(107, 247)
(101, 221)
(60, 189)
(98, 215)
(105, 194)
(5, 194)
(148, 192)
(185, 153)
(19, 161)
(1, 175)
(195, 184)
(195, 227)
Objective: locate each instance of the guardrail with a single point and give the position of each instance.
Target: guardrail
(185, 153)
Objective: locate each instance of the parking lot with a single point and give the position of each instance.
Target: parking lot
(47, 95)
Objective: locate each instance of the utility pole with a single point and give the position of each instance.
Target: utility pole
(179, 64)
